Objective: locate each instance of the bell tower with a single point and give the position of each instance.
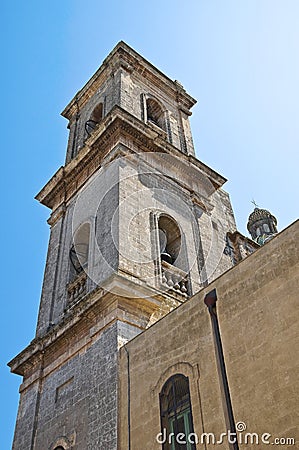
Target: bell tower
(138, 224)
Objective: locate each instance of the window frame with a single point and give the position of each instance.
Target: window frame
(169, 417)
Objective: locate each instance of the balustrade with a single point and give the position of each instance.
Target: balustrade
(174, 278)
(77, 288)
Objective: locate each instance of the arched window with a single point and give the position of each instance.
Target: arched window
(172, 264)
(176, 415)
(266, 228)
(95, 119)
(79, 250)
(169, 239)
(155, 113)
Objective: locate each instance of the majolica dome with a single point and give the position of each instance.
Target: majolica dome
(261, 225)
(260, 214)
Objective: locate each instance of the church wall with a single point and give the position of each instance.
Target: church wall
(135, 202)
(186, 129)
(25, 419)
(69, 396)
(99, 211)
(143, 192)
(221, 221)
(179, 343)
(140, 196)
(62, 267)
(258, 314)
(79, 398)
(48, 288)
(258, 322)
(105, 258)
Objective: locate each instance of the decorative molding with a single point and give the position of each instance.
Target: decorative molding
(87, 309)
(56, 215)
(118, 127)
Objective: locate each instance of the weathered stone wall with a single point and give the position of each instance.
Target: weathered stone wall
(69, 391)
(49, 282)
(258, 314)
(118, 203)
(98, 206)
(221, 222)
(143, 192)
(122, 83)
(135, 90)
(79, 398)
(26, 417)
(258, 317)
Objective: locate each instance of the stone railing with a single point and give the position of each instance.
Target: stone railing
(77, 288)
(174, 278)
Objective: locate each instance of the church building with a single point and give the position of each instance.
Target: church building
(160, 325)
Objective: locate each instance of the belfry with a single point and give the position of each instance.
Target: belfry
(138, 226)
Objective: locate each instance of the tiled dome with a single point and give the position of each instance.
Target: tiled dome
(259, 214)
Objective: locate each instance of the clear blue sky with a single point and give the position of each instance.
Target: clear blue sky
(239, 59)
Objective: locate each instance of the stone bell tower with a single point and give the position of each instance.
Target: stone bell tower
(138, 225)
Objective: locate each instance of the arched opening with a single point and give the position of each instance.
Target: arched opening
(95, 119)
(169, 239)
(59, 448)
(79, 250)
(155, 113)
(172, 262)
(176, 414)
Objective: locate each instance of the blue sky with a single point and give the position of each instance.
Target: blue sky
(239, 59)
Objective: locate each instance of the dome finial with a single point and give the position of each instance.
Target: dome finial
(255, 204)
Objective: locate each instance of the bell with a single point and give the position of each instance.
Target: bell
(90, 125)
(166, 257)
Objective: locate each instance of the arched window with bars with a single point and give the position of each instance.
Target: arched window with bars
(176, 414)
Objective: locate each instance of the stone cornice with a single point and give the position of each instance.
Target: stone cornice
(111, 301)
(123, 56)
(56, 215)
(118, 127)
